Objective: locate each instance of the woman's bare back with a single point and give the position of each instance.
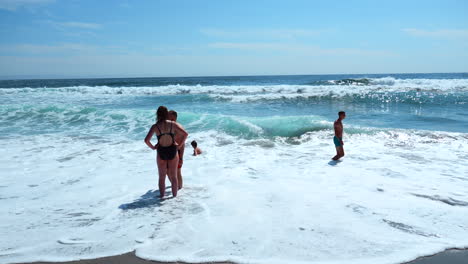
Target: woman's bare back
(165, 133)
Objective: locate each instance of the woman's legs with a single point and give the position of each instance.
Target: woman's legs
(162, 171)
(172, 173)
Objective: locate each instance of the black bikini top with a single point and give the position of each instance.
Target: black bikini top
(170, 133)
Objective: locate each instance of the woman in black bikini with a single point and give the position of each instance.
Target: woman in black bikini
(168, 157)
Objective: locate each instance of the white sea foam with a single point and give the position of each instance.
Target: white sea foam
(396, 195)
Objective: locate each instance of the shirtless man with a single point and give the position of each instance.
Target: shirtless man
(173, 117)
(338, 138)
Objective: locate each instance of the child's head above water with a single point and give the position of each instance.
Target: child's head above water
(194, 144)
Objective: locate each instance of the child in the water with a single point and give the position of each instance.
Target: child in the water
(196, 149)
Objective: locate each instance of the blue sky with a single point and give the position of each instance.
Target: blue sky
(71, 38)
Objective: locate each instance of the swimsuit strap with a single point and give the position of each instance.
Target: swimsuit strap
(169, 133)
(160, 133)
(158, 129)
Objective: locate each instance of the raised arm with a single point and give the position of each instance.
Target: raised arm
(183, 134)
(182, 147)
(149, 136)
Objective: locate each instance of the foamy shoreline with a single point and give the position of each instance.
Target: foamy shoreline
(452, 256)
(78, 182)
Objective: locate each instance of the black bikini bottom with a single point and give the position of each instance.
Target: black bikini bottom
(167, 153)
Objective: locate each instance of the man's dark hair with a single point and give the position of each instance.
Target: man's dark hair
(341, 113)
(174, 113)
(194, 144)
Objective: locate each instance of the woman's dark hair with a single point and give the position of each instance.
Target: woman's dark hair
(194, 144)
(161, 114)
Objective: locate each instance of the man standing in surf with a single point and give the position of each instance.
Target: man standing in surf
(338, 138)
(173, 117)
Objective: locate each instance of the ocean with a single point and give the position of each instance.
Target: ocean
(77, 180)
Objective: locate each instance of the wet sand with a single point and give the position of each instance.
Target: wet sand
(450, 256)
(128, 258)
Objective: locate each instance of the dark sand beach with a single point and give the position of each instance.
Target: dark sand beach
(127, 258)
(450, 256)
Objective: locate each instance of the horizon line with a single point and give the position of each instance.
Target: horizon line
(26, 77)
